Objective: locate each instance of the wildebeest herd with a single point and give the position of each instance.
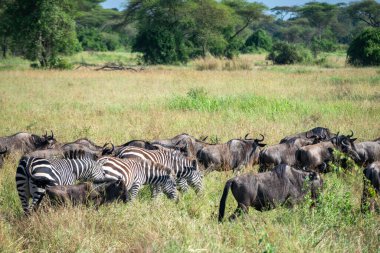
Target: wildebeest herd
(82, 172)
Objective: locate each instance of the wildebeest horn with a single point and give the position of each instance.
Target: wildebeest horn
(204, 138)
(344, 143)
(52, 135)
(262, 138)
(245, 137)
(105, 145)
(352, 134)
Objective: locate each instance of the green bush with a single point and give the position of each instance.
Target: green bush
(285, 53)
(323, 45)
(60, 63)
(160, 45)
(364, 50)
(259, 40)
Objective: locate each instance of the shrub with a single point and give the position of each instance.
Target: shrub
(323, 45)
(364, 50)
(285, 53)
(257, 41)
(60, 63)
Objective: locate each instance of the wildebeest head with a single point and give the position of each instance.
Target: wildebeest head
(346, 144)
(256, 142)
(113, 191)
(46, 141)
(106, 150)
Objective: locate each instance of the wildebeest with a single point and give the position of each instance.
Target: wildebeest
(26, 142)
(284, 153)
(317, 131)
(86, 193)
(233, 155)
(79, 149)
(362, 153)
(134, 143)
(317, 156)
(267, 190)
(371, 188)
(184, 142)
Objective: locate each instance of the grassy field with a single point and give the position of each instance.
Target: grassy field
(160, 102)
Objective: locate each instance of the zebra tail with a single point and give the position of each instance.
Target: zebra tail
(222, 205)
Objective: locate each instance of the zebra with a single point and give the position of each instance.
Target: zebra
(34, 174)
(137, 172)
(185, 169)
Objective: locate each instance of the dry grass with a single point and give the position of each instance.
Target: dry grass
(119, 106)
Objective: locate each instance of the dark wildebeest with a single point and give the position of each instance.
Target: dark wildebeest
(371, 188)
(185, 143)
(317, 131)
(317, 156)
(79, 149)
(86, 193)
(284, 153)
(267, 190)
(26, 142)
(134, 143)
(362, 153)
(233, 155)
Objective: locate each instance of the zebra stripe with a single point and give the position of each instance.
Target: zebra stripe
(185, 169)
(33, 175)
(138, 172)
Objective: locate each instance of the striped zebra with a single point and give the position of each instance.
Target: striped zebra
(138, 172)
(35, 174)
(185, 169)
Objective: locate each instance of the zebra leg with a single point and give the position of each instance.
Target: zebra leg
(37, 193)
(134, 190)
(22, 182)
(156, 190)
(182, 184)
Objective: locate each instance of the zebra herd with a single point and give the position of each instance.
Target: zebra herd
(164, 165)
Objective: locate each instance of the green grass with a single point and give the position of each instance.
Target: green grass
(159, 102)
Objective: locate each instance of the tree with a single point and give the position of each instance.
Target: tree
(45, 30)
(367, 11)
(5, 26)
(364, 50)
(258, 40)
(319, 15)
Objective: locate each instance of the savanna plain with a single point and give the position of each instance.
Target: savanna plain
(225, 101)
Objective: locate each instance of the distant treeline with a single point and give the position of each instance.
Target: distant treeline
(174, 31)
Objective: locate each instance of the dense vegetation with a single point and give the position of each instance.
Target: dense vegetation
(169, 32)
(161, 102)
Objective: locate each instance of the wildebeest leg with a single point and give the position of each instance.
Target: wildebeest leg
(209, 169)
(238, 169)
(37, 194)
(241, 208)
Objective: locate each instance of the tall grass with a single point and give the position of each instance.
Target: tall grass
(160, 103)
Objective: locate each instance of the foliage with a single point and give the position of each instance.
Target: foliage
(285, 53)
(258, 40)
(367, 11)
(364, 50)
(45, 30)
(95, 40)
(323, 45)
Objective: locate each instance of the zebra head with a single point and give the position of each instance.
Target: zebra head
(98, 174)
(169, 185)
